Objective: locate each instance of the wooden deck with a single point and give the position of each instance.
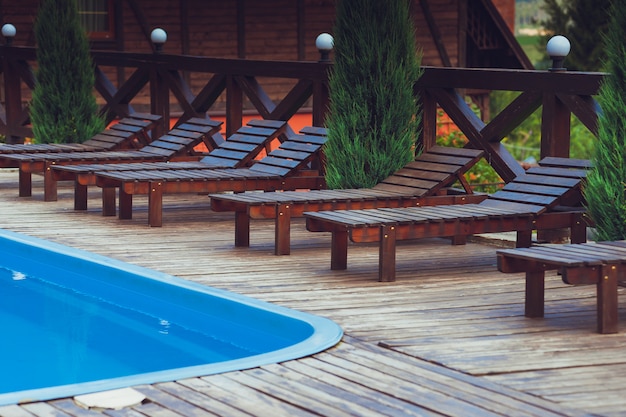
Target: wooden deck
(449, 337)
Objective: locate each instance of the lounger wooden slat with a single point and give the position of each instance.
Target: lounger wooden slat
(602, 264)
(178, 141)
(129, 132)
(506, 210)
(411, 185)
(549, 161)
(287, 167)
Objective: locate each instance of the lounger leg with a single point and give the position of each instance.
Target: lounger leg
(578, 230)
(387, 254)
(108, 202)
(80, 196)
(535, 288)
(459, 240)
(49, 184)
(155, 204)
(126, 205)
(242, 229)
(524, 239)
(339, 250)
(283, 230)
(607, 300)
(25, 183)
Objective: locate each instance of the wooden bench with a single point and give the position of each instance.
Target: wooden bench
(238, 151)
(602, 264)
(179, 141)
(422, 181)
(543, 198)
(292, 165)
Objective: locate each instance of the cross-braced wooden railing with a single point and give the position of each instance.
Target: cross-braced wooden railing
(560, 94)
(164, 75)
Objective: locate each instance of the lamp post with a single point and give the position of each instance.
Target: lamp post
(158, 38)
(8, 31)
(558, 48)
(324, 43)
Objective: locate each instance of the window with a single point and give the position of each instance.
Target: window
(96, 17)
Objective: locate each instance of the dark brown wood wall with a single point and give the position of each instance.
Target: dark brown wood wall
(269, 29)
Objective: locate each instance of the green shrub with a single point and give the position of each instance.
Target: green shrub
(63, 107)
(605, 190)
(374, 117)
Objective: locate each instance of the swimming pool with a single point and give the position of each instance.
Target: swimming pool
(74, 322)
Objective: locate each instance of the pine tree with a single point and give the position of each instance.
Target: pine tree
(605, 187)
(63, 107)
(374, 116)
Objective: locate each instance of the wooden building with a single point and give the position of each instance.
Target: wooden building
(459, 33)
(451, 33)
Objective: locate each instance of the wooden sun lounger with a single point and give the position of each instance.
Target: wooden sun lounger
(127, 133)
(602, 264)
(238, 151)
(288, 167)
(542, 198)
(425, 177)
(178, 141)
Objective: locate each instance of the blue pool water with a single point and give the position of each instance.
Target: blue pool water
(75, 322)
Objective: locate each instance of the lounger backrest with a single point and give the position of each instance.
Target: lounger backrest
(128, 133)
(244, 145)
(293, 154)
(541, 188)
(432, 170)
(183, 138)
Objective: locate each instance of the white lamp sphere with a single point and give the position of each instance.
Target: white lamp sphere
(8, 30)
(558, 46)
(324, 42)
(158, 36)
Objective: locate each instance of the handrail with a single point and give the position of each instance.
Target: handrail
(559, 94)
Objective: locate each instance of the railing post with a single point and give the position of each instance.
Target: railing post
(321, 95)
(429, 120)
(555, 141)
(12, 97)
(320, 102)
(234, 106)
(159, 100)
(555, 127)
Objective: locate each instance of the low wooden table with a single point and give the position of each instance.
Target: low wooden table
(601, 263)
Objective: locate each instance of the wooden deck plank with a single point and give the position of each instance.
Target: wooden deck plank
(454, 337)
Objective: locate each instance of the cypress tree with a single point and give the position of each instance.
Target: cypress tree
(63, 107)
(605, 190)
(374, 116)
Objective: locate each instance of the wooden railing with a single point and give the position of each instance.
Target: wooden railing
(558, 93)
(166, 76)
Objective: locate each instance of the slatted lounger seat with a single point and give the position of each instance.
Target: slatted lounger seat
(288, 167)
(177, 142)
(602, 264)
(127, 133)
(427, 176)
(530, 202)
(238, 151)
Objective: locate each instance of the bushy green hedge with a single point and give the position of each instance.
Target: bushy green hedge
(605, 188)
(374, 116)
(63, 107)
